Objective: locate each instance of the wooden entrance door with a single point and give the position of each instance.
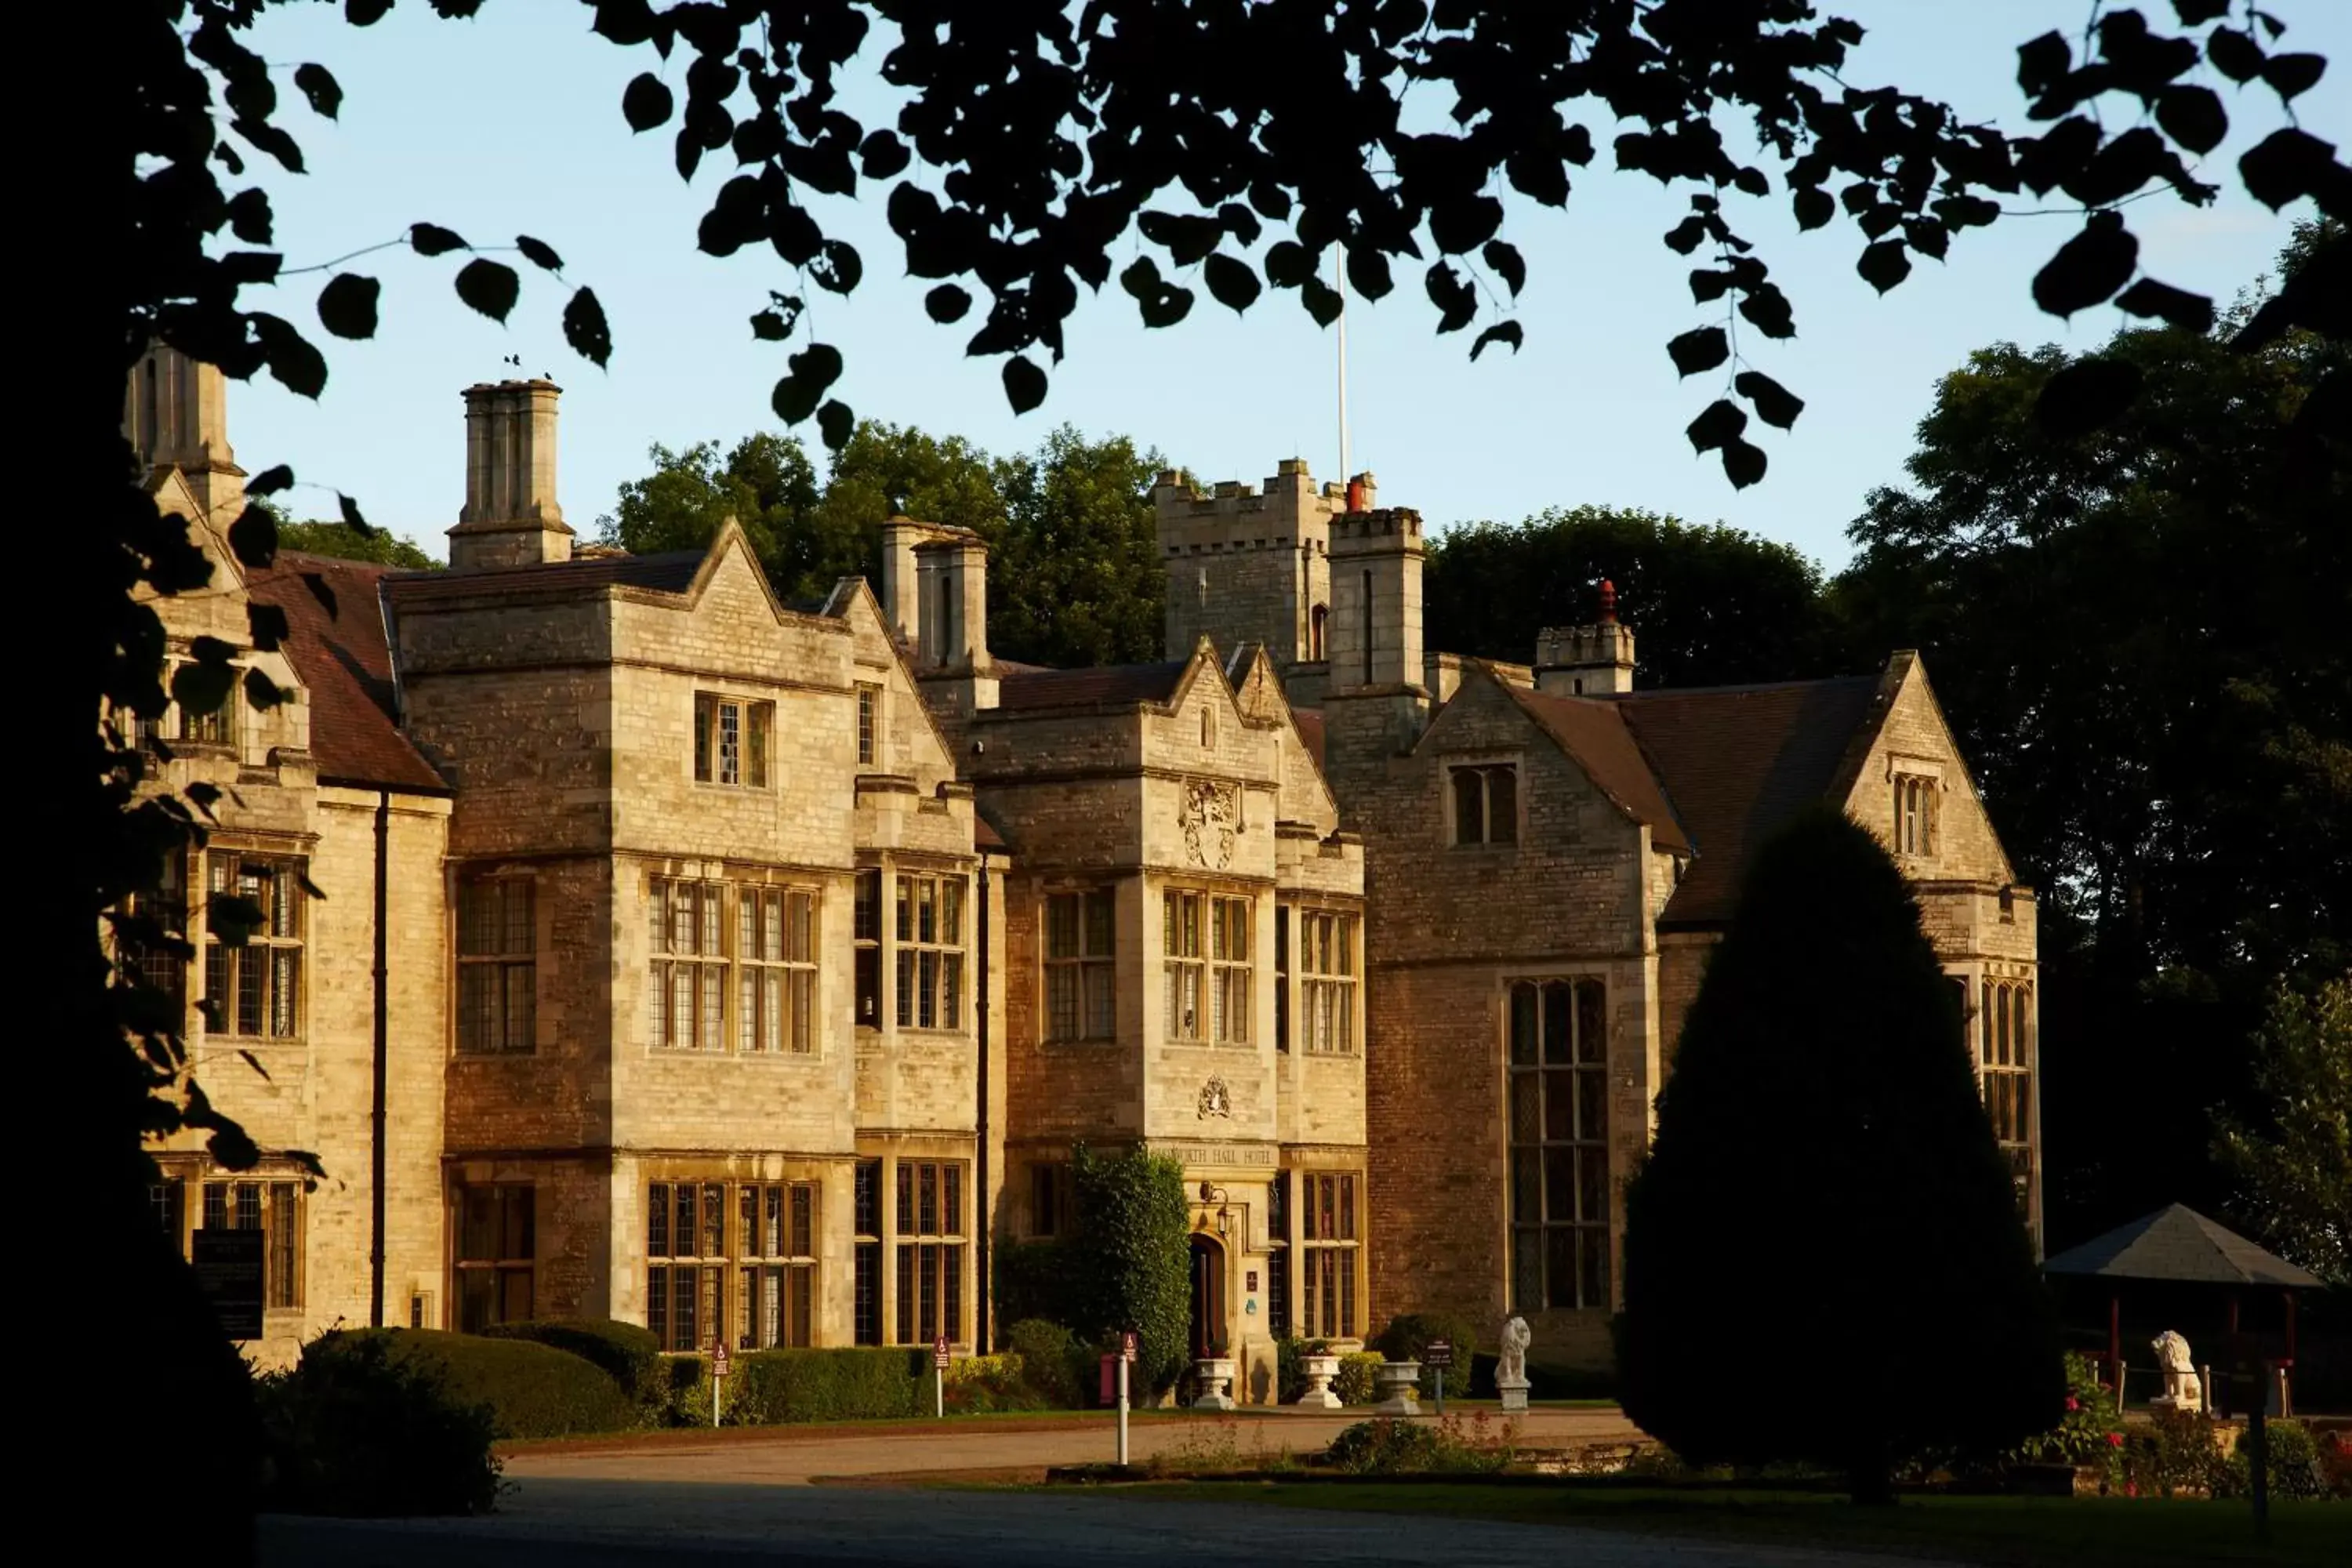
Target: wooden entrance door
(1208, 1297)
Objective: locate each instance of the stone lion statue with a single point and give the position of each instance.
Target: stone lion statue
(1512, 1363)
(2173, 1359)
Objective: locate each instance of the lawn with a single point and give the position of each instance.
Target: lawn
(2013, 1532)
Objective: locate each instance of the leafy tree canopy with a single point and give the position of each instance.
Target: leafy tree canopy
(1828, 1139)
(2290, 1166)
(314, 536)
(1710, 605)
(2138, 633)
(1074, 578)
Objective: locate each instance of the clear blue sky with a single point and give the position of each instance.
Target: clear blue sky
(510, 123)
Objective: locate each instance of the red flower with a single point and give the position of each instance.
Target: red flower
(2072, 1404)
(2115, 1439)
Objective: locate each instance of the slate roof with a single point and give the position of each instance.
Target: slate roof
(1309, 721)
(670, 572)
(1594, 735)
(343, 661)
(2178, 1245)
(1038, 690)
(1736, 761)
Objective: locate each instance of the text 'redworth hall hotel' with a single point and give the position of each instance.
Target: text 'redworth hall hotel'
(638, 944)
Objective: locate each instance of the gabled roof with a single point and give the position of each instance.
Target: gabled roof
(1737, 762)
(2178, 1245)
(1037, 690)
(340, 655)
(1593, 733)
(1309, 721)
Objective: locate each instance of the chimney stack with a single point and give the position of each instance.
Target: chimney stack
(176, 415)
(1587, 661)
(511, 518)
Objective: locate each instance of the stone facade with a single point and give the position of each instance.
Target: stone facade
(638, 945)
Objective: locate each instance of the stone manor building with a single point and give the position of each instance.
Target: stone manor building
(633, 943)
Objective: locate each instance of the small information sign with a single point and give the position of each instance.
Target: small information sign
(941, 1353)
(228, 1265)
(1438, 1354)
(1127, 1345)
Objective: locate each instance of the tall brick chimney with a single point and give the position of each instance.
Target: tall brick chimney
(176, 415)
(511, 518)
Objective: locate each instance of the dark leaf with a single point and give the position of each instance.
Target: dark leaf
(1508, 265)
(1456, 300)
(319, 85)
(1767, 309)
(1367, 272)
(1684, 236)
(1751, 182)
(351, 513)
(253, 537)
(199, 687)
(837, 267)
(1024, 384)
(2192, 116)
(2284, 166)
(2294, 75)
(1927, 236)
(272, 139)
(2197, 13)
(883, 156)
(1883, 265)
(489, 287)
(347, 305)
(366, 12)
(270, 480)
(2043, 64)
(1743, 463)
(1322, 300)
(949, 303)
(814, 370)
(1500, 333)
(1231, 283)
(2271, 25)
(2089, 267)
(1463, 224)
(2177, 307)
(255, 1063)
(1701, 348)
(1814, 206)
(2235, 54)
(1719, 422)
(1775, 403)
(249, 216)
(645, 102)
(538, 253)
(265, 623)
(837, 424)
(261, 691)
(432, 239)
(1288, 264)
(584, 328)
(297, 366)
(1174, 304)
(2086, 396)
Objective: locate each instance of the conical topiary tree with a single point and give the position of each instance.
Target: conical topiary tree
(1824, 1261)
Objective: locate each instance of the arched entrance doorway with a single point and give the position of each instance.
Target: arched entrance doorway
(1208, 1295)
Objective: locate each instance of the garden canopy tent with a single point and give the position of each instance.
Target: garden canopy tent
(2179, 1246)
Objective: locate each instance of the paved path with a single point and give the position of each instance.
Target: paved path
(791, 1458)
(749, 1500)
(641, 1524)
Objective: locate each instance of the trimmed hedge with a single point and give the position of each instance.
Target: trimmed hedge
(533, 1390)
(630, 1355)
(355, 1430)
(773, 1387)
(1054, 1362)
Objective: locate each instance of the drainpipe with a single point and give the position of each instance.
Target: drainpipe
(381, 977)
(983, 1222)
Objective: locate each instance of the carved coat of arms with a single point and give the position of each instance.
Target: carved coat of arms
(1216, 1100)
(1210, 815)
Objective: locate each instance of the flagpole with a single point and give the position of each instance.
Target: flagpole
(1339, 272)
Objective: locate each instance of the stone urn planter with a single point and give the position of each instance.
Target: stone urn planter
(1399, 1382)
(1215, 1375)
(1319, 1370)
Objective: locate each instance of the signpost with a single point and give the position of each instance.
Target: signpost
(1437, 1355)
(940, 1355)
(1126, 1359)
(718, 1370)
(228, 1265)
